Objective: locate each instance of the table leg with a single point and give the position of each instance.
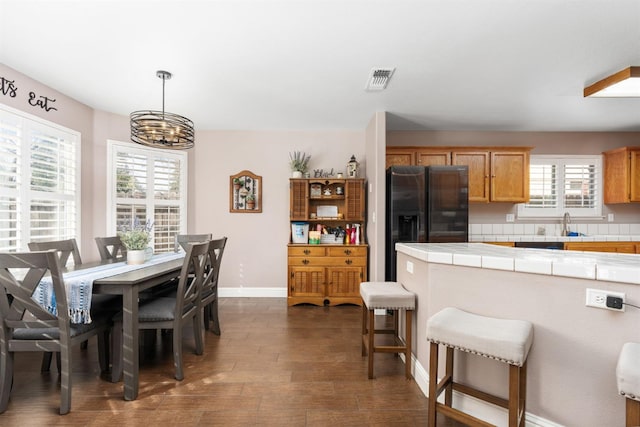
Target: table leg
(130, 342)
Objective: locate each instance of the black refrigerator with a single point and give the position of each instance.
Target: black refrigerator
(425, 204)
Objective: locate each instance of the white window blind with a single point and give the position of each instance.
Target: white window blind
(560, 184)
(39, 185)
(148, 184)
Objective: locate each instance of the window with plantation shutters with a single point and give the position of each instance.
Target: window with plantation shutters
(39, 181)
(560, 184)
(148, 184)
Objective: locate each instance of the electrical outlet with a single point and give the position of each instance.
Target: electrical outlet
(510, 217)
(598, 298)
(409, 267)
(610, 217)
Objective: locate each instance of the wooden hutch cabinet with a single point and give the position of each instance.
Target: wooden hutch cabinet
(621, 172)
(496, 174)
(327, 273)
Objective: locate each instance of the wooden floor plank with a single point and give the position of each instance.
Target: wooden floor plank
(272, 365)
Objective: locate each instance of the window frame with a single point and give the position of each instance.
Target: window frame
(525, 212)
(149, 201)
(29, 124)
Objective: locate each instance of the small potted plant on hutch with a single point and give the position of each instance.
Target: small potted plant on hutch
(136, 239)
(299, 163)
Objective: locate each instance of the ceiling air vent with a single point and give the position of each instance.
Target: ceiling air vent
(379, 78)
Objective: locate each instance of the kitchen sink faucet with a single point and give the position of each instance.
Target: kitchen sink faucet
(566, 220)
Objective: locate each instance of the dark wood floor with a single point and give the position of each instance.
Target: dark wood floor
(272, 365)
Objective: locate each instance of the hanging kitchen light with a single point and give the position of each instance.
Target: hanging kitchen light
(161, 129)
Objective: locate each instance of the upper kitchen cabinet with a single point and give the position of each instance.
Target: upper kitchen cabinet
(400, 156)
(622, 175)
(422, 156)
(496, 174)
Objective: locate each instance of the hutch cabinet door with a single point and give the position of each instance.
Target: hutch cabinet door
(355, 200)
(344, 281)
(299, 198)
(306, 281)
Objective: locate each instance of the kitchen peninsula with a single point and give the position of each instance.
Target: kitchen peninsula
(571, 373)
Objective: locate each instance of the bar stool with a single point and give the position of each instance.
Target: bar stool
(628, 376)
(504, 340)
(387, 296)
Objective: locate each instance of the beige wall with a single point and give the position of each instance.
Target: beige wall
(375, 143)
(256, 252)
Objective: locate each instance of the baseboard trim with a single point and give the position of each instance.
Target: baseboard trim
(252, 292)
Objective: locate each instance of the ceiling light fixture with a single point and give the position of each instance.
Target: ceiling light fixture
(624, 83)
(161, 129)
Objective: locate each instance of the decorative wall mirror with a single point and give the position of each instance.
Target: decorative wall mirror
(245, 192)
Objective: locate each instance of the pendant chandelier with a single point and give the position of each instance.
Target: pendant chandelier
(161, 129)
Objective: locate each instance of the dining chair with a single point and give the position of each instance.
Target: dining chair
(67, 249)
(209, 294)
(171, 312)
(182, 240)
(111, 248)
(28, 327)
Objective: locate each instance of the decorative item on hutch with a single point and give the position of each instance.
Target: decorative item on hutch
(352, 167)
(299, 163)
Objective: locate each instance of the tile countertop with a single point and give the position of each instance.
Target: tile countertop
(538, 238)
(611, 267)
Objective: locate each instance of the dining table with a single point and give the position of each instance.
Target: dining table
(129, 284)
(114, 277)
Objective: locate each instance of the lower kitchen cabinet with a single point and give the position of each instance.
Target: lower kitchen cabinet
(619, 247)
(326, 274)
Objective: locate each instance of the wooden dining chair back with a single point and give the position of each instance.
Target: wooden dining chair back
(209, 294)
(66, 248)
(111, 248)
(182, 240)
(171, 312)
(29, 327)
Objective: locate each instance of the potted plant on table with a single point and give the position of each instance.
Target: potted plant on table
(136, 239)
(299, 163)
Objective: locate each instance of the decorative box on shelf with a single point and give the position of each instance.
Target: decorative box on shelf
(331, 239)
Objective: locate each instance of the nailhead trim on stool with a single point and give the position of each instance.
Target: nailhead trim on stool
(628, 378)
(504, 340)
(386, 296)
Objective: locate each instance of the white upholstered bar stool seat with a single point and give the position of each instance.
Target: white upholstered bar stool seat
(503, 340)
(628, 378)
(386, 296)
